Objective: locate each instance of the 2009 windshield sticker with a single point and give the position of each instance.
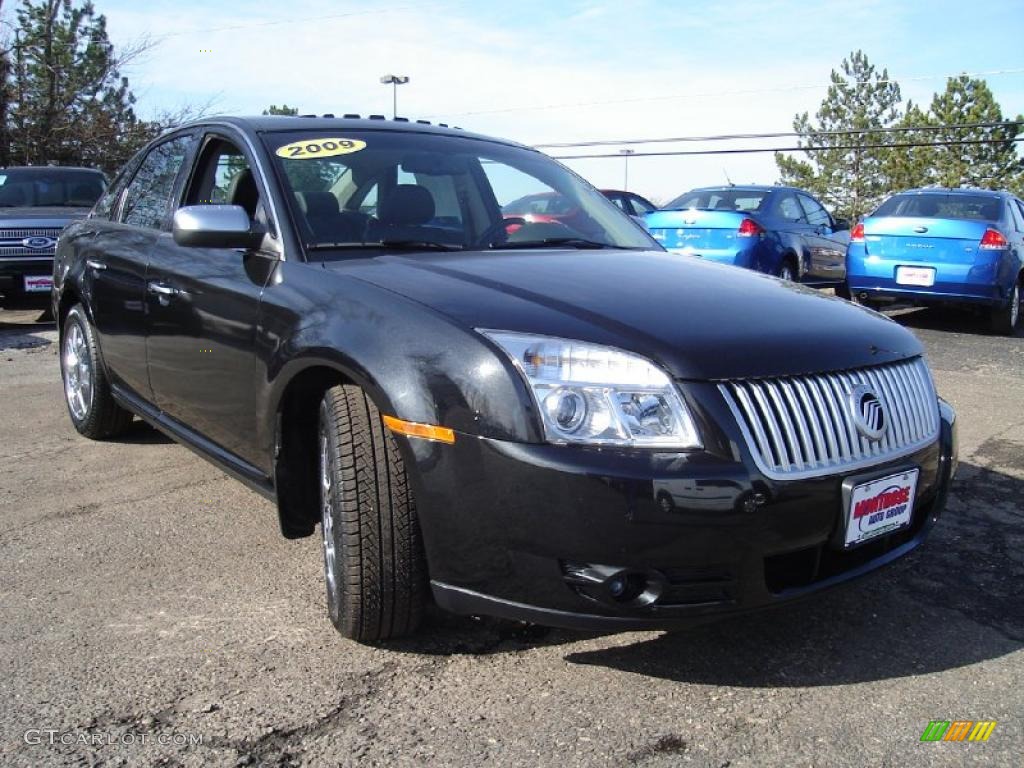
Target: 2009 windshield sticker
(308, 149)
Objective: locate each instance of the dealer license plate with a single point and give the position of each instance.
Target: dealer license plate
(881, 506)
(915, 276)
(38, 283)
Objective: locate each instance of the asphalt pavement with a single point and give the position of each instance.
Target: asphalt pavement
(151, 614)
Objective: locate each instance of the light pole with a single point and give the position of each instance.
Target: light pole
(394, 81)
(625, 171)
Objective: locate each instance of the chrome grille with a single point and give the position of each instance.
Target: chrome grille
(803, 426)
(8, 234)
(11, 241)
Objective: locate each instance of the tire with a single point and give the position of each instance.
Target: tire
(374, 565)
(787, 271)
(864, 302)
(1006, 319)
(87, 395)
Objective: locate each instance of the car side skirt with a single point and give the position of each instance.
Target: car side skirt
(227, 462)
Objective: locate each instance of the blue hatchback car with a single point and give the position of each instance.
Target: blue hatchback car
(778, 230)
(941, 246)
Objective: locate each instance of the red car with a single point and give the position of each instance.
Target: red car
(552, 207)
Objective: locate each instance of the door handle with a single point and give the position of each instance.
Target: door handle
(162, 289)
(97, 265)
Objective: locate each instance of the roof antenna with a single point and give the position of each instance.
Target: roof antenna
(727, 179)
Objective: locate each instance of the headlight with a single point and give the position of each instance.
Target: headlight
(598, 395)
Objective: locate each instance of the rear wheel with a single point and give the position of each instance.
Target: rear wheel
(1006, 319)
(374, 564)
(86, 389)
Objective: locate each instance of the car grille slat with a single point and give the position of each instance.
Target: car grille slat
(11, 245)
(803, 426)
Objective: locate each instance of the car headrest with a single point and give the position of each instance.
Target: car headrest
(318, 204)
(408, 205)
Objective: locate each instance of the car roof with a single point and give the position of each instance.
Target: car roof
(955, 191)
(50, 168)
(749, 188)
(282, 123)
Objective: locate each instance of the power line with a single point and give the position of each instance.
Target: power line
(902, 145)
(742, 92)
(279, 22)
(782, 134)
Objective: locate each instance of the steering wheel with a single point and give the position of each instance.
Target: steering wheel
(489, 235)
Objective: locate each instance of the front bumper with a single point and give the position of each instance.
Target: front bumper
(509, 529)
(14, 270)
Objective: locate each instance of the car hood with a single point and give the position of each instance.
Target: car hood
(699, 320)
(41, 216)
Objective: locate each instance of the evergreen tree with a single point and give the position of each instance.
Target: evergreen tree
(994, 164)
(284, 109)
(66, 102)
(843, 170)
(910, 167)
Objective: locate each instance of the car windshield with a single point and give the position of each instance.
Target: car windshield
(352, 190)
(935, 205)
(725, 199)
(50, 187)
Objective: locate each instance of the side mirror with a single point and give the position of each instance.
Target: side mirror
(838, 225)
(214, 226)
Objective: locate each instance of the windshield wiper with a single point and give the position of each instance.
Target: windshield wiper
(403, 245)
(555, 242)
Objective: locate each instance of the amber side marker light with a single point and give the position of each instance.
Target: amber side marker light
(426, 431)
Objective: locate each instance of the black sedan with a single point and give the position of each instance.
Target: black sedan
(551, 421)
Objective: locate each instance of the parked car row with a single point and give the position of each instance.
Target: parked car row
(925, 246)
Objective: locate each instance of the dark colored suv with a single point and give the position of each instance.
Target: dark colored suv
(546, 421)
(36, 203)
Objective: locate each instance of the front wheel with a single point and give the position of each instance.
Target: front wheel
(374, 564)
(1006, 319)
(787, 271)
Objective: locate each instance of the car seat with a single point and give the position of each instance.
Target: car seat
(404, 213)
(244, 192)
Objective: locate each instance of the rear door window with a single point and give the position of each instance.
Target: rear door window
(816, 215)
(147, 200)
(789, 209)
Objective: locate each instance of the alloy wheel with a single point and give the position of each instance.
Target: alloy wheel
(78, 373)
(327, 522)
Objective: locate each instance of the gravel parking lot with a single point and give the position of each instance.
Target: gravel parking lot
(148, 602)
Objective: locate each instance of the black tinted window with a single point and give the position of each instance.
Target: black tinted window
(937, 205)
(148, 196)
(50, 187)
